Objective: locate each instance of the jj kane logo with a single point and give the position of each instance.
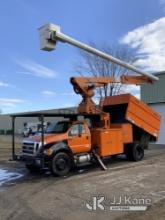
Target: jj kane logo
(120, 203)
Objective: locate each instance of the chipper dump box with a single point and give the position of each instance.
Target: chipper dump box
(132, 125)
(126, 108)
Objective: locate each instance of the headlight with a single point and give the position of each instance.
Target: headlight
(48, 152)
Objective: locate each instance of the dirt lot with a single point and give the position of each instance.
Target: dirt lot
(41, 196)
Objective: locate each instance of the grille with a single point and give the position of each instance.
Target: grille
(28, 148)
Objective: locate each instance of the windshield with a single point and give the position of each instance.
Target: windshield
(59, 127)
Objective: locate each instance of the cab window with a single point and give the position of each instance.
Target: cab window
(59, 127)
(82, 129)
(77, 130)
(74, 130)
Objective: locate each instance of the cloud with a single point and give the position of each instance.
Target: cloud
(3, 84)
(132, 89)
(48, 94)
(149, 43)
(10, 102)
(35, 69)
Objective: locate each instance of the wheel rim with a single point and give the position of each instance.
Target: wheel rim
(61, 164)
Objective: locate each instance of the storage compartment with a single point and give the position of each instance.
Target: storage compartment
(127, 132)
(107, 141)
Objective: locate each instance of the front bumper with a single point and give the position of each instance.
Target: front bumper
(38, 161)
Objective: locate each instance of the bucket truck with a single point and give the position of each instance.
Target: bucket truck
(122, 124)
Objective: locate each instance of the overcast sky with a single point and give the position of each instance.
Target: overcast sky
(31, 79)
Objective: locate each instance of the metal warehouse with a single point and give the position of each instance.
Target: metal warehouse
(154, 95)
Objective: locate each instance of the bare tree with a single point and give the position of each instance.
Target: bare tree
(92, 65)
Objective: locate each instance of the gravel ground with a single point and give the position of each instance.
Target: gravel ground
(41, 196)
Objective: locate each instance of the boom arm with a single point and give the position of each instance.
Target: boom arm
(85, 87)
(50, 34)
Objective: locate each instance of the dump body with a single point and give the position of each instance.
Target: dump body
(126, 108)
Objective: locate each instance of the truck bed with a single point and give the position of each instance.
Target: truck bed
(127, 108)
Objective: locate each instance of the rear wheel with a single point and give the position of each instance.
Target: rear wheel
(61, 164)
(144, 141)
(134, 152)
(137, 152)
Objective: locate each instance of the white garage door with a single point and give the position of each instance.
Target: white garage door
(160, 108)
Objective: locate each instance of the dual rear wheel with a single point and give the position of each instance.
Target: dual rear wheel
(134, 151)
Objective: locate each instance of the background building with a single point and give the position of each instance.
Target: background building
(154, 95)
(5, 119)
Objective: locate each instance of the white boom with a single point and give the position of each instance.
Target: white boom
(50, 34)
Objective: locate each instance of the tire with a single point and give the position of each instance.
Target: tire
(137, 152)
(144, 141)
(61, 164)
(134, 152)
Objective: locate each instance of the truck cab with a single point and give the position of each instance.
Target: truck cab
(65, 143)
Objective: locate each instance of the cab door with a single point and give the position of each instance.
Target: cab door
(79, 139)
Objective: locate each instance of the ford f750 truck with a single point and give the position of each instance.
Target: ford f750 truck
(71, 142)
(121, 124)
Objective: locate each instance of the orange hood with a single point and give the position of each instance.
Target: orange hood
(49, 138)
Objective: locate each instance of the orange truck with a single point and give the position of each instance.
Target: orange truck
(70, 142)
(121, 124)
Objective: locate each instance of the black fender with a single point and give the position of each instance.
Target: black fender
(60, 146)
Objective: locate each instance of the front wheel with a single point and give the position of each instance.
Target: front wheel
(61, 164)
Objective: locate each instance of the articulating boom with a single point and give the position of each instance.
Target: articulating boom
(85, 86)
